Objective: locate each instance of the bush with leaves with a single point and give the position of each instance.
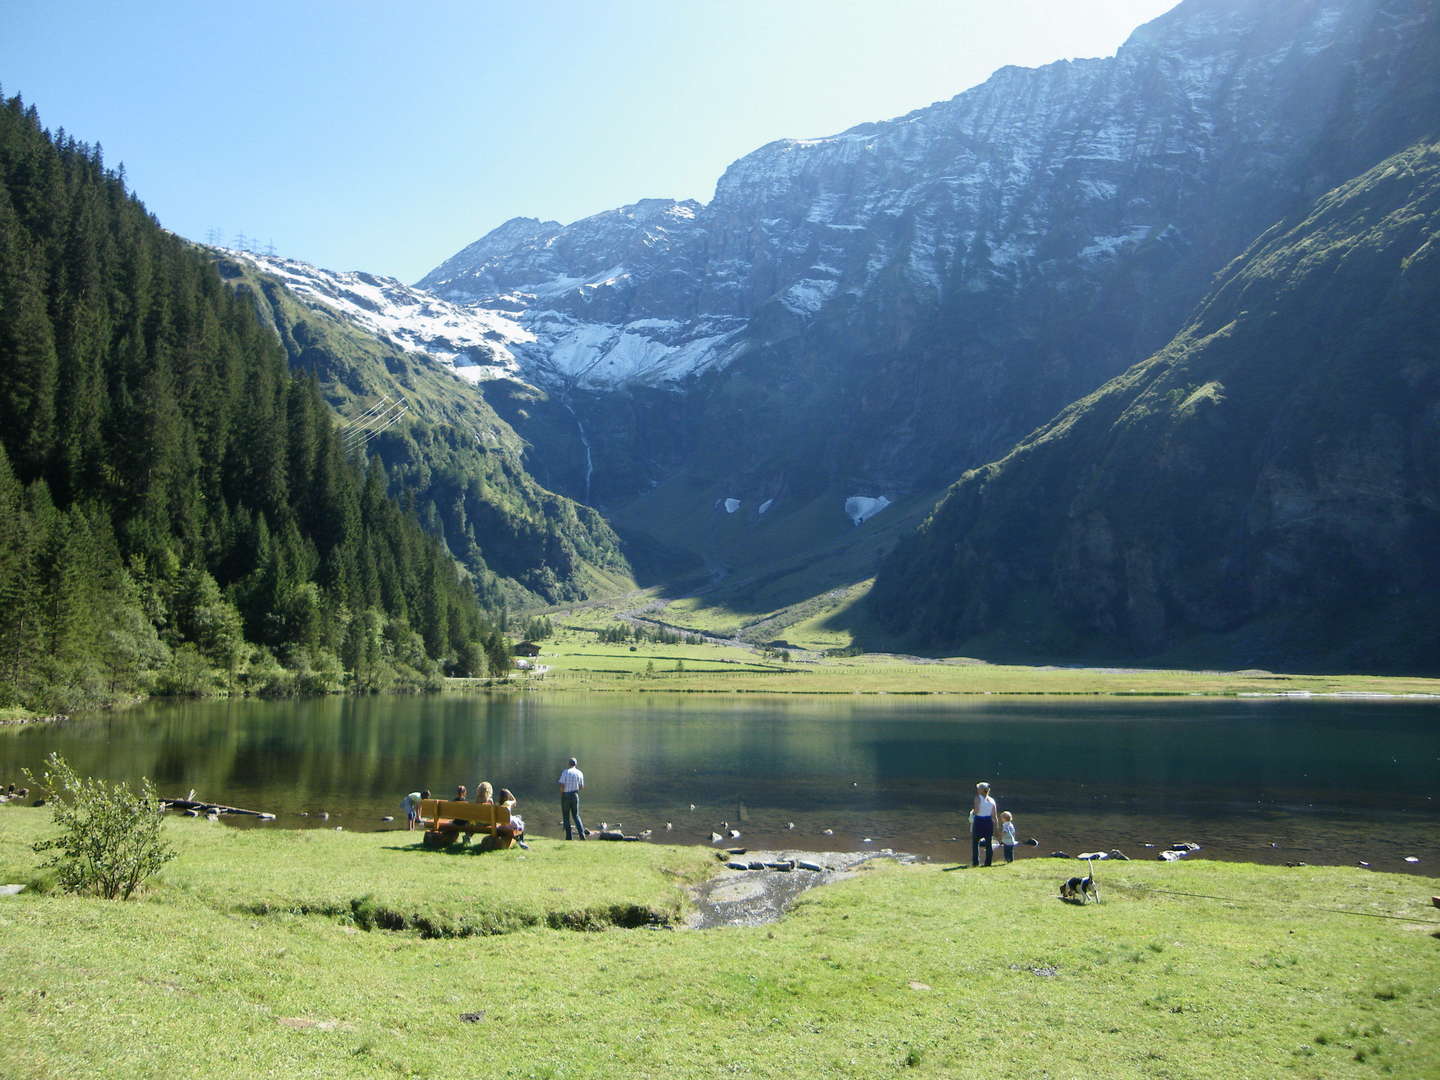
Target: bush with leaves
(109, 840)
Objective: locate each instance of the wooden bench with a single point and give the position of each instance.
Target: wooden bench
(449, 819)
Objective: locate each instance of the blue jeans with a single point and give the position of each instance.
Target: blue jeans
(570, 809)
(983, 829)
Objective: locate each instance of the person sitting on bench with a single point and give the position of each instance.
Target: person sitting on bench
(516, 829)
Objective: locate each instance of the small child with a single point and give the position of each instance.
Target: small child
(411, 806)
(1007, 835)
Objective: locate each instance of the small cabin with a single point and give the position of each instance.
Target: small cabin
(526, 648)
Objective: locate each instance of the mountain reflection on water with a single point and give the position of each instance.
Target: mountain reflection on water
(1317, 781)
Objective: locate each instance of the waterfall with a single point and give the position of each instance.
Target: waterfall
(589, 458)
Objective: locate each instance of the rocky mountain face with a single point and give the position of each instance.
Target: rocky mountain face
(873, 312)
(1264, 491)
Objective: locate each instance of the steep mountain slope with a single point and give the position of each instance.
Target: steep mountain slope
(177, 510)
(445, 451)
(873, 312)
(1264, 490)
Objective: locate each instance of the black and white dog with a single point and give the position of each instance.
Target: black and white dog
(1081, 888)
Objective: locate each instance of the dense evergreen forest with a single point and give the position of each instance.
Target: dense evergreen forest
(177, 513)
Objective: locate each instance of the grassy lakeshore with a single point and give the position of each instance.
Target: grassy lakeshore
(577, 662)
(260, 953)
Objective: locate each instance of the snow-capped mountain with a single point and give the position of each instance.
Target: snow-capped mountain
(573, 287)
(896, 303)
(477, 343)
(881, 309)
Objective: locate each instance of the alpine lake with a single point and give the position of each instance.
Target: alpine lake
(1318, 781)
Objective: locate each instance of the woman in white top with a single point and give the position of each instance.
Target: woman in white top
(982, 824)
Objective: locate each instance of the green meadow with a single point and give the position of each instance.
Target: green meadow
(264, 953)
(577, 661)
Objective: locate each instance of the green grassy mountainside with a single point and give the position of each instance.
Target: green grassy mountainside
(448, 454)
(1265, 490)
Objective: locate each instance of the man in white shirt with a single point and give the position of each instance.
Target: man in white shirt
(572, 782)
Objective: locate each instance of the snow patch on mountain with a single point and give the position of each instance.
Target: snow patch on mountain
(1102, 246)
(477, 344)
(651, 351)
(861, 508)
(809, 295)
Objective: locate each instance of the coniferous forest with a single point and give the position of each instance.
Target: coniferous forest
(177, 514)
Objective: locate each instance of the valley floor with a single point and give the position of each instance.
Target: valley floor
(574, 660)
(261, 954)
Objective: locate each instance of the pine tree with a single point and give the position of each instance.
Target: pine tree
(29, 366)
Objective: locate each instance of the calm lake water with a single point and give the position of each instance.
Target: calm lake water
(1316, 781)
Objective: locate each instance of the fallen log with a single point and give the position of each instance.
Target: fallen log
(201, 807)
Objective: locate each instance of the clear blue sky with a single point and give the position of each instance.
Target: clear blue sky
(385, 136)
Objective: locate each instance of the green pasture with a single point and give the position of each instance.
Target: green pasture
(578, 661)
(263, 954)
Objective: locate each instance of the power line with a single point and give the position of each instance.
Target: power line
(369, 414)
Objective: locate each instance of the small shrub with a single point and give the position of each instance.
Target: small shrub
(189, 674)
(41, 883)
(109, 840)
